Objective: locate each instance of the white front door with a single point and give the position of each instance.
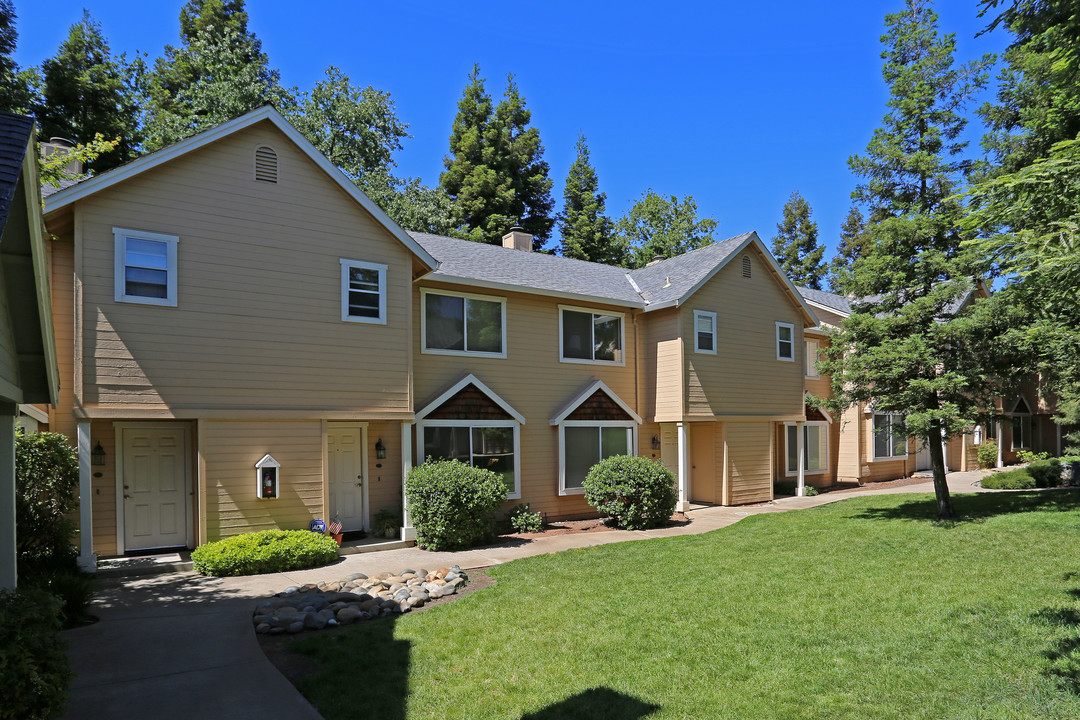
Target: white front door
(155, 487)
(348, 476)
(922, 457)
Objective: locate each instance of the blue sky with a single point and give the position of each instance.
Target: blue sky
(736, 104)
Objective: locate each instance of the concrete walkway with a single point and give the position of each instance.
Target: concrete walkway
(181, 645)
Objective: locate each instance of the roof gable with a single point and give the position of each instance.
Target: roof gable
(451, 392)
(597, 387)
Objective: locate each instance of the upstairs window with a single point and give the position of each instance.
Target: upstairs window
(463, 324)
(590, 337)
(889, 438)
(363, 292)
(705, 332)
(145, 267)
(811, 359)
(785, 342)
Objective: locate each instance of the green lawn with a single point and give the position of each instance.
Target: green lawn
(859, 609)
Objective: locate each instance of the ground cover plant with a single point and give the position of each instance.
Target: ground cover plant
(791, 487)
(865, 608)
(266, 551)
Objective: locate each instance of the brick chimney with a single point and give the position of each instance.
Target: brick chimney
(518, 239)
(60, 146)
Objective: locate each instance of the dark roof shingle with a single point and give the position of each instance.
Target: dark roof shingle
(15, 133)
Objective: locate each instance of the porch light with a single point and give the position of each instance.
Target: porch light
(655, 442)
(380, 450)
(97, 455)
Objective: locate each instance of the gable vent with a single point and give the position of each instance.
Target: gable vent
(265, 164)
(746, 266)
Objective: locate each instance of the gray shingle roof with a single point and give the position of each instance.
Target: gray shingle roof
(839, 303)
(15, 132)
(48, 189)
(537, 272)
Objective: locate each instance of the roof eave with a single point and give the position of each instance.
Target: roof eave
(439, 276)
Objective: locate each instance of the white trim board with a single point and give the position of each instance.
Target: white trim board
(588, 392)
(469, 379)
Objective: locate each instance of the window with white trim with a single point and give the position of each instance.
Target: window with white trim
(815, 447)
(144, 267)
(1021, 432)
(363, 292)
(587, 336)
(889, 438)
(583, 443)
(490, 444)
(812, 349)
(705, 332)
(785, 342)
(463, 324)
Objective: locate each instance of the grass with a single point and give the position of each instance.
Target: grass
(860, 609)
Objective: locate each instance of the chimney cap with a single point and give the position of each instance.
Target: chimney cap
(63, 142)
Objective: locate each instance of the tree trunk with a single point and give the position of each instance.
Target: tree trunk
(937, 462)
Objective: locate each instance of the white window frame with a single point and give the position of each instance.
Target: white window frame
(812, 372)
(120, 237)
(1019, 419)
(631, 446)
(363, 265)
(424, 292)
(892, 445)
(712, 317)
(790, 327)
(422, 426)
(622, 336)
(807, 471)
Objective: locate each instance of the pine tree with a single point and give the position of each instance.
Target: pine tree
(656, 226)
(520, 157)
(852, 246)
(795, 244)
(15, 90)
(85, 93)
(587, 233)
(904, 349)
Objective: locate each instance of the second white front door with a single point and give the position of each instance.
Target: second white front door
(346, 458)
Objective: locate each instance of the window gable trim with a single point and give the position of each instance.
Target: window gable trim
(120, 238)
(346, 265)
(587, 393)
(632, 441)
(711, 316)
(424, 292)
(594, 312)
(450, 392)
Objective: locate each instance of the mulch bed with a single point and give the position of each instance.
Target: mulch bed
(576, 527)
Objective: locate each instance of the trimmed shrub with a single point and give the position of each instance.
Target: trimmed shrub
(634, 493)
(1018, 479)
(988, 454)
(387, 523)
(790, 487)
(452, 505)
(264, 552)
(71, 586)
(32, 658)
(524, 521)
(1030, 456)
(46, 480)
(1047, 473)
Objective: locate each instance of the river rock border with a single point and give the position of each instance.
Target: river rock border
(354, 598)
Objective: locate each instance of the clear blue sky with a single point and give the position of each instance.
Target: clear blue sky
(736, 104)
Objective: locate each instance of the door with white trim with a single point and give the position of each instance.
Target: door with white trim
(922, 456)
(347, 467)
(155, 487)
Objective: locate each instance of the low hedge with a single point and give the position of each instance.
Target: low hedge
(1018, 479)
(452, 505)
(634, 493)
(33, 663)
(264, 552)
(791, 487)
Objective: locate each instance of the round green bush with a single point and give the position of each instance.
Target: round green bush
(264, 552)
(35, 666)
(988, 454)
(634, 492)
(452, 505)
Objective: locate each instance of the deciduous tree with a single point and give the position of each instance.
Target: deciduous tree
(656, 226)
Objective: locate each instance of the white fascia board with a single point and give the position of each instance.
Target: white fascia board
(469, 379)
(509, 287)
(826, 308)
(586, 394)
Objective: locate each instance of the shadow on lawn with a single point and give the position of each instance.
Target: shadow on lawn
(1064, 654)
(595, 704)
(976, 507)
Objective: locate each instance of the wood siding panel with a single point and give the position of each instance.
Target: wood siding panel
(744, 377)
(750, 468)
(258, 323)
(9, 362)
(662, 367)
(104, 489)
(384, 483)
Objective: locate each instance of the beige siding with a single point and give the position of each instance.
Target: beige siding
(750, 468)
(230, 451)
(9, 364)
(104, 489)
(62, 264)
(849, 458)
(384, 483)
(535, 383)
(662, 353)
(744, 377)
(258, 324)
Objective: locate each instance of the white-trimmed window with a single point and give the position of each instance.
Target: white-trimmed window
(454, 323)
(145, 267)
(785, 342)
(705, 332)
(889, 438)
(583, 443)
(490, 444)
(363, 292)
(589, 336)
(1021, 432)
(815, 447)
(811, 359)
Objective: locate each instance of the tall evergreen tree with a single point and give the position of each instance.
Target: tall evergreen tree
(520, 156)
(656, 226)
(795, 244)
(907, 348)
(852, 245)
(15, 91)
(587, 232)
(85, 93)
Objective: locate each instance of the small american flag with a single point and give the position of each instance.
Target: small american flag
(334, 528)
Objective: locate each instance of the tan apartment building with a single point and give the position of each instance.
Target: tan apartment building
(247, 342)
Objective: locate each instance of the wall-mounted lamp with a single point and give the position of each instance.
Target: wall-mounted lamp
(380, 449)
(97, 455)
(655, 443)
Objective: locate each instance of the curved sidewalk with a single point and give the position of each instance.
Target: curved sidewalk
(182, 645)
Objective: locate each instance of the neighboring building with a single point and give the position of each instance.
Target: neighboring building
(28, 370)
(233, 300)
